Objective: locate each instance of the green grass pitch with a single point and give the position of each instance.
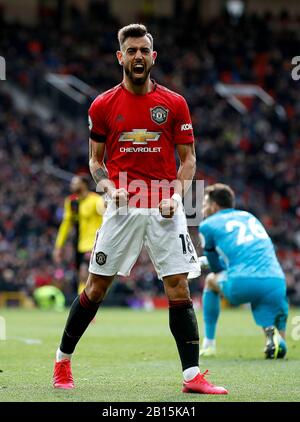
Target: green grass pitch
(130, 355)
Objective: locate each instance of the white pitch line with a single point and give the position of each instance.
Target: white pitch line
(26, 340)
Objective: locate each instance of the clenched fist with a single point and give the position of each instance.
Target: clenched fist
(120, 197)
(168, 207)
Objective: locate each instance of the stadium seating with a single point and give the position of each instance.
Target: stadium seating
(257, 153)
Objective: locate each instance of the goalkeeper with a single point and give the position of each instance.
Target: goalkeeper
(244, 269)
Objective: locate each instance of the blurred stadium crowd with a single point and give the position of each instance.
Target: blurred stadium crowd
(257, 153)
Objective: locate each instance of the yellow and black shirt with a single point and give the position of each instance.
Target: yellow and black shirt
(86, 216)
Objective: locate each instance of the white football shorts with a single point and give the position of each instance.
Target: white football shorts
(120, 239)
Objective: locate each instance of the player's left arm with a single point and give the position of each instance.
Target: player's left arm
(184, 142)
(185, 175)
(187, 168)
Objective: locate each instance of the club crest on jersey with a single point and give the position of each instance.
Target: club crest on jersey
(159, 114)
(101, 258)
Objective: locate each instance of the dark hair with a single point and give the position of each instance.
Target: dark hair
(221, 194)
(84, 178)
(135, 30)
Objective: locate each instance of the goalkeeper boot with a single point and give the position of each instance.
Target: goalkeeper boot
(275, 344)
(208, 348)
(282, 349)
(62, 376)
(201, 386)
(208, 352)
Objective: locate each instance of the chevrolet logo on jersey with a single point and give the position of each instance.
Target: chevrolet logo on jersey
(139, 136)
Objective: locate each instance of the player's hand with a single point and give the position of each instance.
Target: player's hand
(168, 207)
(120, 197)
(203, 261)
(57, 255)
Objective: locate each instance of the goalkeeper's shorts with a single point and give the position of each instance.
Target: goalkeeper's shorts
(267, 297)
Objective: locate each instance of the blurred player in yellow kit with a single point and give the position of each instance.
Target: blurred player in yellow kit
(83, 211)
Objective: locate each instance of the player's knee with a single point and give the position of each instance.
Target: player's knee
(96, 287)
(210, 281)
(176, 287)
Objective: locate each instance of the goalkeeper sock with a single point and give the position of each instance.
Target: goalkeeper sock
(184, 327)
(81, 314)
(211, 311)
(208, 343)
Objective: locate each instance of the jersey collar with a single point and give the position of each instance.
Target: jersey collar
(154, 86)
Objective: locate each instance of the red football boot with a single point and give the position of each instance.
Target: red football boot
(201, 386)
(62, 376)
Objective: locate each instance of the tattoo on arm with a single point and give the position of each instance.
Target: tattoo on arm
(96, 163)
(99, 174)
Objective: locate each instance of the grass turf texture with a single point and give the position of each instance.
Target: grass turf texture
(131, 356)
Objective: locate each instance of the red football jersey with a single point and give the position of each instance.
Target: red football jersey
(140, 132)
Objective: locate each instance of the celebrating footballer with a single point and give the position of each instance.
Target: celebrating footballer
(135, 129)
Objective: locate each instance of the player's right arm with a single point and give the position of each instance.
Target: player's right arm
(98, 132)
(63, 232)
(98, 169)
(209, 248)
(100, 174)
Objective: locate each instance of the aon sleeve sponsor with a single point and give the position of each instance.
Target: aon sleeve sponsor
(186, 126)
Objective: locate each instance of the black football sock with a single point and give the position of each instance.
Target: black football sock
(184, 327)
(81, 314)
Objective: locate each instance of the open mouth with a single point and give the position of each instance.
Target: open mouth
(138, 68)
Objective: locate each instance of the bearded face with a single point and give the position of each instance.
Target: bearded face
(138, 71)
(137, 59)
